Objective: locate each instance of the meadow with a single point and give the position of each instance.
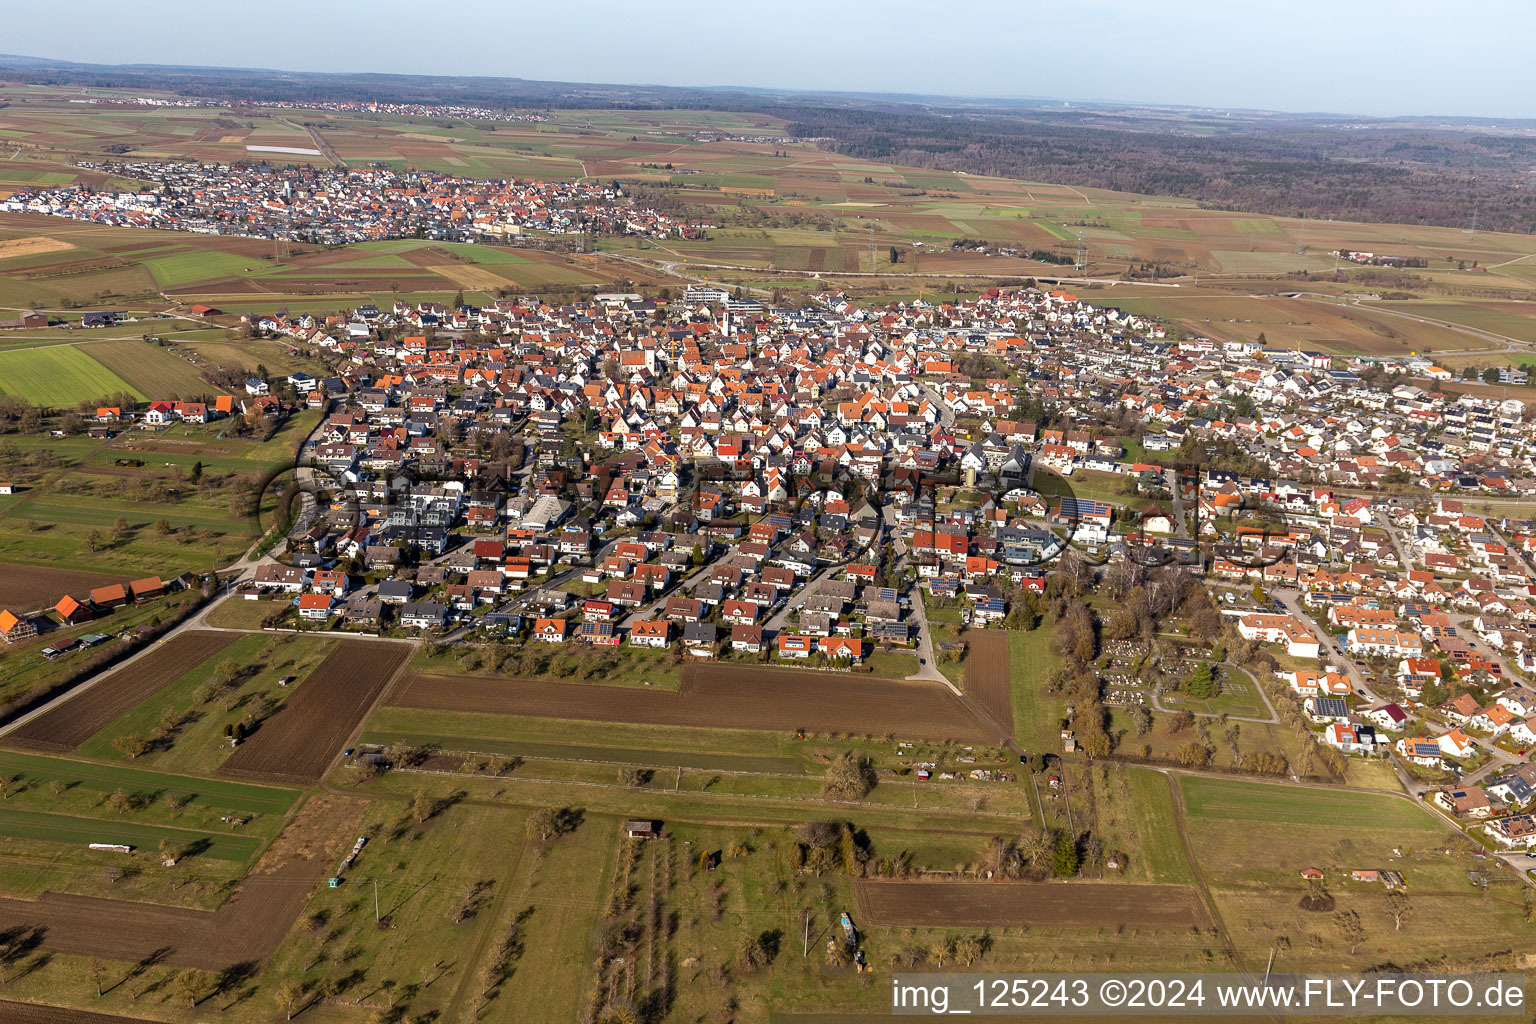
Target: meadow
(59, 376)
(1294, 805)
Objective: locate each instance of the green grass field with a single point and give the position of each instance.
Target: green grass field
(1036, 717)
(58, 377)
(59, 828)
(426, 871)
(1136, 815)
(153, 370)
(1269, 802)
(90, 777)
(199, 265)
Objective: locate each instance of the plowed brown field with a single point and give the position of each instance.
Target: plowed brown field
(986, 674)
(89, 711)
(32, 1013)
(246, 928)
(1001, 904)
(32, 587)
(299, 742)
(722, 697)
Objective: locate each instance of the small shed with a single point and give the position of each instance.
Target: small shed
(641, 828)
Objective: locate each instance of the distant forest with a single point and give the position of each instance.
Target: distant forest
(1410, 170)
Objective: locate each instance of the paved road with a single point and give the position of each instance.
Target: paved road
(1292, 601)
(946, 414)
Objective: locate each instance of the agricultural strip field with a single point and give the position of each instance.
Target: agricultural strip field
(58, 376)
(517, 747)
(1297, 805)
(62, 828)
(32, 587)
(12, 247)
(152, 369)
(245, 929)
(299, 742)
(33, 1013)
(1028, 904)
(92, 777)
(722, 698)
(78, 718)
(987, 680)
(1036, 715)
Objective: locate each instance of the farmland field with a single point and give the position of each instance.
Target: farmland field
(29, 587)
(734, 698)
(13, 247)
(12, 1012)
(214, 796)
(1036, 716)
(299, 742)
(197, 744)
(987, 679)
(184, 267)
(1029, 904)
(1253, 839)
(77, 718)
(15, 1012)
(152, 370)
(58, 828)
(58, 376)
(1253, 801)
(246, 928)
(1136, 815)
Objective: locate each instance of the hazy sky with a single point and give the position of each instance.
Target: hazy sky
(1349, 56)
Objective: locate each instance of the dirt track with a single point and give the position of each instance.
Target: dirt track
(245, 929)
(722, 697)
(1000, 904)
(32, 587)
(89, 711)
(987, 680)
(299, 742)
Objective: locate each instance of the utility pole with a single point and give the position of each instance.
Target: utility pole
(871, 237)
(806, 945)
(375, 901)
